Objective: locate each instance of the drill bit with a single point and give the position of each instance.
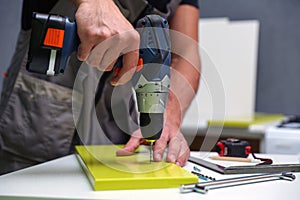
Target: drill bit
(151, 146)
(151, 149)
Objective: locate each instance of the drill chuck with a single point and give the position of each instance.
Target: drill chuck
(151, 125)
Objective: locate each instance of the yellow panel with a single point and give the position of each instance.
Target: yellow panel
(106, 171)
(246, 121)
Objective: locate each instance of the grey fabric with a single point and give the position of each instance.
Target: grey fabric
(37, 123)
(114, 113)
(65, 8)
(32, 113)
(171, 7)
(123, 110)
(131, 10)
(134, 11)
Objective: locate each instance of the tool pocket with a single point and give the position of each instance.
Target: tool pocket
(37, 122)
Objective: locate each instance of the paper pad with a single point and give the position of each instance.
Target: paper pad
(106, 171)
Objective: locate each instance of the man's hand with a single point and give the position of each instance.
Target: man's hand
(178, 149)
(105, 34)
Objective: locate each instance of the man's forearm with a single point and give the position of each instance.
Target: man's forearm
(185, 75)
(185, 81)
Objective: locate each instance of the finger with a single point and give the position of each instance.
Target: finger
(103, 55)
(178, 151)
(109, 58)
(183, 157)
(95, 56)
(104, 52)
(159, 148)
(111, 55)
(173, 150)
(112, 67)
(133, 143)
(130, 61)
(83, 51)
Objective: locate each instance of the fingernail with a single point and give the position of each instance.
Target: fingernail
(178, 163)
(114, 83)
(157, 157)
(172, 158)
(79, 58)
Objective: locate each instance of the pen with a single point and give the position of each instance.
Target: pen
(227, 158)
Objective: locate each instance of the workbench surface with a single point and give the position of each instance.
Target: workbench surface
(64, 178)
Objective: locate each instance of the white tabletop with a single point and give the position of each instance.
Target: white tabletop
(63, 178)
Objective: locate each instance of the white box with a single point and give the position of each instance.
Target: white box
(281, 140)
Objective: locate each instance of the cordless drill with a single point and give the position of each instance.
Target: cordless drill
(54, 38)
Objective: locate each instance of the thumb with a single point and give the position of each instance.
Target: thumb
(133, 143)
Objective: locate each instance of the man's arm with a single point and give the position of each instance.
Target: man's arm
(105, 34)
(185, 58)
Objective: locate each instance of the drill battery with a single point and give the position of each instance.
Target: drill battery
(233, 147)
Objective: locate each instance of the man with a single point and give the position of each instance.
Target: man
(26, 141)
